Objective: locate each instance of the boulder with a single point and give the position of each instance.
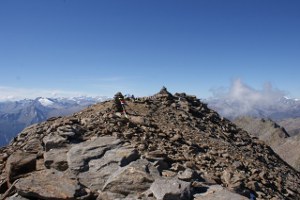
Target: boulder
(19, 163)
(134, 178)
(187, 175)
(50, 184)
(100, 169)
(171, 189)
(54, 141)
(80, 155)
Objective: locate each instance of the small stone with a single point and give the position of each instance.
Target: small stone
(168, 173)
(187, 175)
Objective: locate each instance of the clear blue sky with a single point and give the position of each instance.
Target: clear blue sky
(99, 47)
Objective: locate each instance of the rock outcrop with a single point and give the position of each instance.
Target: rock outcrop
(292, 125)
(168, 147)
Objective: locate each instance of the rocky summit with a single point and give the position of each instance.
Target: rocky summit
(162, 147)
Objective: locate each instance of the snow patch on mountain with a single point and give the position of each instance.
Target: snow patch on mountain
(45, 102)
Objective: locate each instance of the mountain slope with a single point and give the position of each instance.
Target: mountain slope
(292, 125)
(169, 147)
(267, 130)
(16, 115)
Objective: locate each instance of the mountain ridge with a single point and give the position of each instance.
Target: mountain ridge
(165, 147)
(286, 146)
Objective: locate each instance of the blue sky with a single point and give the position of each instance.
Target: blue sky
(99, 47)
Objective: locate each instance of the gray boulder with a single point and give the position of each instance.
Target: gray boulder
(171, 189)
(80, 155)
(100, 169)
(134, 178)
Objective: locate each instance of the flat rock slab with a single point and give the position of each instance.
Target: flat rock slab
(50, 184)
(80, 155)
(101, 169)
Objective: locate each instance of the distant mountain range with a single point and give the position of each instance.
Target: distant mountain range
(16, 115)
(277, 110)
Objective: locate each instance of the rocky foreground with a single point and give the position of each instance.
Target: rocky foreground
(169, 147)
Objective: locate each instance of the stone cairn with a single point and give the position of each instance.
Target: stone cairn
(169, 147)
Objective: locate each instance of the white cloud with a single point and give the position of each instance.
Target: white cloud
(241, 92)
(11, 93)
(241, 99)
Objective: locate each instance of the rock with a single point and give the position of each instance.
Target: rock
(187, 175)
(68, 134)
(101, 169)
(171, 189)
(137, 120)
(19, 163)
(163, 93)
(134, 178)
(175, 137)
(54, 141)
(217, 192)
(80, 155)
(168, 173)
(45, 185)
(127, 155)
(177, 167)
(33, 145)
(156, 155)
(110, 196)
(86, 121)
(56, 159)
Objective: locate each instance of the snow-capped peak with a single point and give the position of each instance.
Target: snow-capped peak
(45, 102)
